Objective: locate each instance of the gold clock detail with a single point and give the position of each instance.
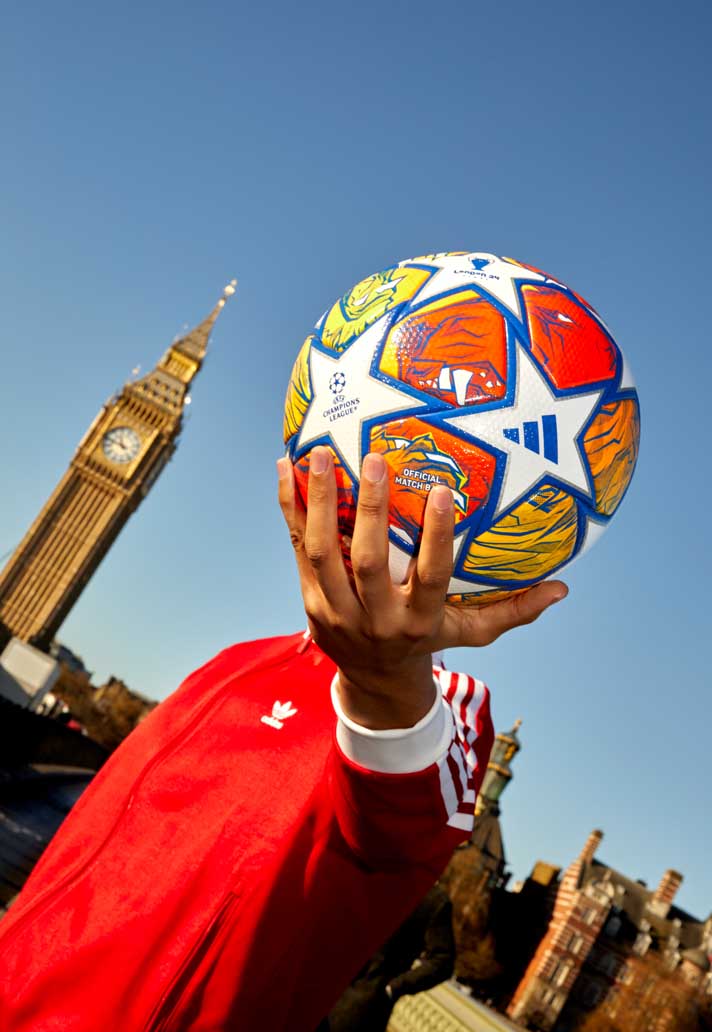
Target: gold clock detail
(121, 444)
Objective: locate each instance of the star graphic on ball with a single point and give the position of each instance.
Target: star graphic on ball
(336, 416)
(537, 433)
(485, 273)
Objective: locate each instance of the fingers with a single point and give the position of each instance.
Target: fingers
(435, 559)
(369, 547)
(294, 515)
(321, 537)
(484, 625)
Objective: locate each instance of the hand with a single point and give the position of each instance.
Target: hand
(382, 635)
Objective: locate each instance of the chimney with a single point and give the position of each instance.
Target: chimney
(666, 891)
(592, 843)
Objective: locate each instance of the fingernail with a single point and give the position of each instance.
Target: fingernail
(318, 460)
(561, 594)
(283, 468)
(442, 499)
(374, 468)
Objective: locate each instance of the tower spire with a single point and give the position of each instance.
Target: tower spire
(499, 772)
(195, 343)
(167, 385)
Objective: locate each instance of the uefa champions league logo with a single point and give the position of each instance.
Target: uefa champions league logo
(340, 405)
(337, 383)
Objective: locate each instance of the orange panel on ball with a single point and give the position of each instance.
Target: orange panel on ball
(568, 342)
(611, 445)
(419, 457)
(454, 349)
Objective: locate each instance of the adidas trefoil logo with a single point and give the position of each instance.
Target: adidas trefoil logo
(280, 712)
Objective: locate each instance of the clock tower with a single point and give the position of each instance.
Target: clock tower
(113, 469)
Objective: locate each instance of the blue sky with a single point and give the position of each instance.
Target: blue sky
(153, 151)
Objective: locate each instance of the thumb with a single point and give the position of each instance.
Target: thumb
(523, 608)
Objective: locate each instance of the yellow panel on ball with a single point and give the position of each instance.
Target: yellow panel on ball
(531, 541)
(298, 391)
(367, 302)
(611, 445)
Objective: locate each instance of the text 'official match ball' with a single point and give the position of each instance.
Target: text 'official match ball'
(483, 374)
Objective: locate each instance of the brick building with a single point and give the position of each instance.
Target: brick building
(601, 925)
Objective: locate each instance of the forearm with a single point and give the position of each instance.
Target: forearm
(407, 795)
(381, 700)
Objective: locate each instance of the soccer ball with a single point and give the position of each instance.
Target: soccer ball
(488, 376)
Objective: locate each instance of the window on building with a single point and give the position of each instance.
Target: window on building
(591, 994)
(672, 955)
(625, 975)
(560, 973)
(576, 944)
(613, 925)
(587, 914)
(609, 963)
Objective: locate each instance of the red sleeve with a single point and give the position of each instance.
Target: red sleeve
(418, 817)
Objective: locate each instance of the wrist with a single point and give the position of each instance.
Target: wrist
(403, 750)
(384, 699)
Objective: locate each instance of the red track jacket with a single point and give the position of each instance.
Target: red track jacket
(235, 862)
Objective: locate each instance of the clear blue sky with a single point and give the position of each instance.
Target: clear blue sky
(152, 151)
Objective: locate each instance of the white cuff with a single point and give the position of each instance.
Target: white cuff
(396, 750)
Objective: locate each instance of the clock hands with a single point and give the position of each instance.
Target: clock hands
(121, 444)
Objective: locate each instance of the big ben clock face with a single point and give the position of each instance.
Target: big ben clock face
(121, 444)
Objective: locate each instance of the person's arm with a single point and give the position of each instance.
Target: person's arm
(407, 764)
(408, 795)
(382, 635)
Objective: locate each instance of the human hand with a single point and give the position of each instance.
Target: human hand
(381, 635)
